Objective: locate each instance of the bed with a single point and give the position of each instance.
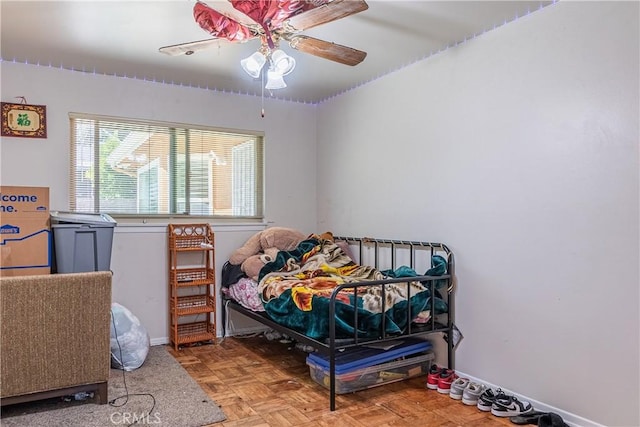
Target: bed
(343, 293)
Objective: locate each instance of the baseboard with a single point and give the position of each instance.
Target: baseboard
(159, 341)
(239, 332)
(569, 418)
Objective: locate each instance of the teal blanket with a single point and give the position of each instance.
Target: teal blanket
(296, 289)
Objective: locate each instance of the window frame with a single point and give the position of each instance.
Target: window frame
(172, 196)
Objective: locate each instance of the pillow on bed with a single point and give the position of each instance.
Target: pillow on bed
(245, 292)
(231, 274)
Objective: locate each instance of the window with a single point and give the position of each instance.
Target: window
(129, 167)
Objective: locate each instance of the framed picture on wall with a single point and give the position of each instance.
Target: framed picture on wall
(24, 120)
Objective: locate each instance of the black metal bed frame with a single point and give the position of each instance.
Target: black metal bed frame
(374, 246)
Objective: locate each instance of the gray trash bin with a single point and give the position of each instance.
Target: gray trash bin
(81, 241)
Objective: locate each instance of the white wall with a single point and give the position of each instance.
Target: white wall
(139, 253)
(518, 149)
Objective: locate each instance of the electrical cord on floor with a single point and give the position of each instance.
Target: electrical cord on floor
(126, 396)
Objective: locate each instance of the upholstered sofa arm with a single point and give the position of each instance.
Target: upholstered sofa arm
(55, 333)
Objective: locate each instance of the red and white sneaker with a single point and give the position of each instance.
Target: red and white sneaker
(447, 377)
(433, 376)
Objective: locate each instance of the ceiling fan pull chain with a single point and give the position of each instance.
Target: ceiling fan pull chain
(262, 96)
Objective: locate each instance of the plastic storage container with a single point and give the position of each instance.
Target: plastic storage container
(372, 376)
(372, 353)
(82, 242)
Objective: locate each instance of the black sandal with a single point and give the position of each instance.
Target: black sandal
(528, 418)
(551, 420)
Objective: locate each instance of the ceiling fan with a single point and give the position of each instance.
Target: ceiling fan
(238, 21)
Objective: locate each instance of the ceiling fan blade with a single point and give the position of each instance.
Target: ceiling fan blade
(327, 50)
(328, 12)
(220, 25)
(226, 8)
(190, 47)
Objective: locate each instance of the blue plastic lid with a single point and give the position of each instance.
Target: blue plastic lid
(352, 359)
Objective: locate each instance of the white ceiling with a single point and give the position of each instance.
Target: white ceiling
(123, 37)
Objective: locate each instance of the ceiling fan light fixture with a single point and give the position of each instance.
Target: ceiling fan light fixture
(282, 63)
(253, 64)
(274, 80)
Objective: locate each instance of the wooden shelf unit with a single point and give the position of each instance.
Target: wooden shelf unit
(192, 297)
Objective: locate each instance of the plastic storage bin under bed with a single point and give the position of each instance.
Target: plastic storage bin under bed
(364, 367)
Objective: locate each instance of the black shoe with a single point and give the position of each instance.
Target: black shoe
(488, 397)
(529, 418)
(551, 420)
(510, 406)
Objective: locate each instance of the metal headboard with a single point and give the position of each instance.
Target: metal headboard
(367, 248)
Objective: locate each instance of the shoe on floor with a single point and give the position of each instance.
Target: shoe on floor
(510, 406)
(458, 387)
(529, 418)
(488, 396)
(540, 419)
(551, 420)
(472, 393)
(433, 376)
(446, 379)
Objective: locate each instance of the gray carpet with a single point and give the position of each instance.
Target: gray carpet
(179, 401)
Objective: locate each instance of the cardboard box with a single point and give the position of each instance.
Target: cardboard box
(25, 233)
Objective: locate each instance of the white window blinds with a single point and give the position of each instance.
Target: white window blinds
(122, 166)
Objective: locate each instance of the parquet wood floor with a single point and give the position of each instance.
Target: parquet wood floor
(260, 383)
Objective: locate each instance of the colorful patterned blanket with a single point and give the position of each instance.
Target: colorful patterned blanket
(296, 288)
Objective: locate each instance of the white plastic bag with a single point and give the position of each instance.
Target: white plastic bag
(129, 339)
